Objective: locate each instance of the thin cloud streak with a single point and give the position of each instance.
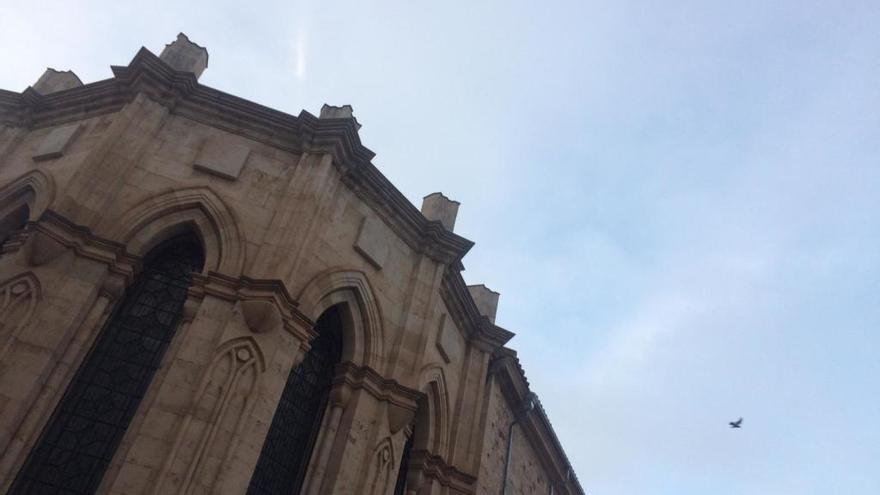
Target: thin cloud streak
(300, 54)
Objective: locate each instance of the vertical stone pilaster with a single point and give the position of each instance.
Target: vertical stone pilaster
(299, 213)
(408, 350)
(75, 296)
(339, 399)
(360, 451)
(469, 408)
(10, 137)
(92, 190)
(358, 430)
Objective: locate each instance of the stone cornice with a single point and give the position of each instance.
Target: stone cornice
(32, 110)
(477, 328)
(181, 93)
(506, 369)
(421, 234)
(435, 467)
(53, 228)
(363, 377)
(85, 243)
(356, 377)
(248, 289)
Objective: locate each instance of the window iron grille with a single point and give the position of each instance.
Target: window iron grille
(403, 470)
(80, 438)
(285, 455)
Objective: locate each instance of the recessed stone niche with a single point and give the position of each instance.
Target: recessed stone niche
(372, 242)
(448, 344)
(56, 142)
(222, 158)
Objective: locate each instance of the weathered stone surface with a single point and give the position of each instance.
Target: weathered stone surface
(334, 112)
(486, 300)
(58, 140)
(438, 207)
(183, 54)
(54, 80)
(222, 158)
(300, 223)
(372, 242)
(448, 340)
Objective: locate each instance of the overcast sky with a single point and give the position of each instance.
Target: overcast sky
(678, 201)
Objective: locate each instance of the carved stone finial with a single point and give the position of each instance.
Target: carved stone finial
(486, 300)
(438, 207)
(334, 112)
(55, 80)
(184, 55)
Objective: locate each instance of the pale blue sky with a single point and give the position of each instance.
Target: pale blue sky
(678, 201)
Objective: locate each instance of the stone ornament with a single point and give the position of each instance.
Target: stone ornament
(42, 249)
(261, 316)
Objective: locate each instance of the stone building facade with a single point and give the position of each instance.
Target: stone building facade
(202, 295)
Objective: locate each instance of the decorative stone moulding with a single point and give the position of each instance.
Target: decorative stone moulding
(438, 207)
(261, 316)
(42, 249)
(184, 55)
(335, 134)
(113, 287)
(334, 112)
(486, 300)
(354, 377)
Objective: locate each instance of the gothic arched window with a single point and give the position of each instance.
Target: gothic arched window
(82, 435)
(13, 220)
(288, 447)
(403, 470)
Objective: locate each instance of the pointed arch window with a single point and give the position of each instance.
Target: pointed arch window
(282, 465)
(78, 442)
(12, 221)
(403, 470)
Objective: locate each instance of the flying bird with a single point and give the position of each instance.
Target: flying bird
(736, 424)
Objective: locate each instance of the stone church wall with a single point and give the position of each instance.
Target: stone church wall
(525, 473)
(293, 220)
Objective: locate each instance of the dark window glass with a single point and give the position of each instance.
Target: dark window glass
(12, 222)
(285, 455)
(76, 446)
(400, 487)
